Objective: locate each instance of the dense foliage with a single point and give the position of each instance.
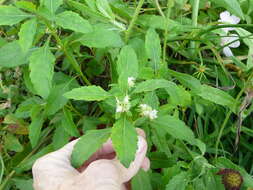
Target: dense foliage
(98, 69)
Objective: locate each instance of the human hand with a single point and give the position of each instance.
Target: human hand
(54, 171)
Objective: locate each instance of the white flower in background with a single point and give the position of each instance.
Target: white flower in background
(124, 105)
(227, 18)
(131, 81)
(147, 111)
(231, 41)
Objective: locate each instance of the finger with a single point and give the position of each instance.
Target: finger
(128, 173)
(141, 132)
(50, 170)
(66, 151)
(145, 164)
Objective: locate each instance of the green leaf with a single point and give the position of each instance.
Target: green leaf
(175, 127)
(187, 81)
(68, 123)
(179, 96)
(51, 5)
(128, 62)
(87, 145)
(104, 7)
(217, 96)
(11, 55)
(12, 143)
(232, 6)
(153, 48)
(26, 5)
(26, 34)
(10, 15)
(153, 84)
(23, 184)
(27, 164)
(60, 138)
(107, 37)
(178, 182)
(88, 93)
(141, 181)
(73, 21)
(42, 70)
(124, 139)
(56, 100)
(36, 125)
(127, 66)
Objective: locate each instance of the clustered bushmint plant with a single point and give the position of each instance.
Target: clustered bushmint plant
(181, 70)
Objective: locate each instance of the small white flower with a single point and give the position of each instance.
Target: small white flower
(123, 106)
(153, 114)
(231, 41)
(131, 81)
(227, 18)
(147, 111)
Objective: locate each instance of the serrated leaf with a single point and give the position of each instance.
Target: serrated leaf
(10, 15)
(124, 139)
(42, 70)
(68, 123)
(153, 84)
(88, 93)
(153, 48)
(232, 6)
(73, 21)
(104, 7)
(11, 55)
(56, 100)
(141, 181)
(127, 66)
(127, 62)
(107, 38)
(26, 34)
(87, 145)
(175, 127)
(52, 5)
(187, 80)
(178, 182)
(217, 96)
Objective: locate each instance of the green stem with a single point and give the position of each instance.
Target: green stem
(195, 13)
(170, 4)
(70, 57)
(159, 8)
(135, 16)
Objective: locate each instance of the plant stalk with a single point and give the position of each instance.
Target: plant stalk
(135, 16)
(195, 13)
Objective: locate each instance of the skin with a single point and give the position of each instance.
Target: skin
(101, 172)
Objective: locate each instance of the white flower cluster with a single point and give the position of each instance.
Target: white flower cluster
(131, 82)
(232, 41)
(124, 105)
(147, 111)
